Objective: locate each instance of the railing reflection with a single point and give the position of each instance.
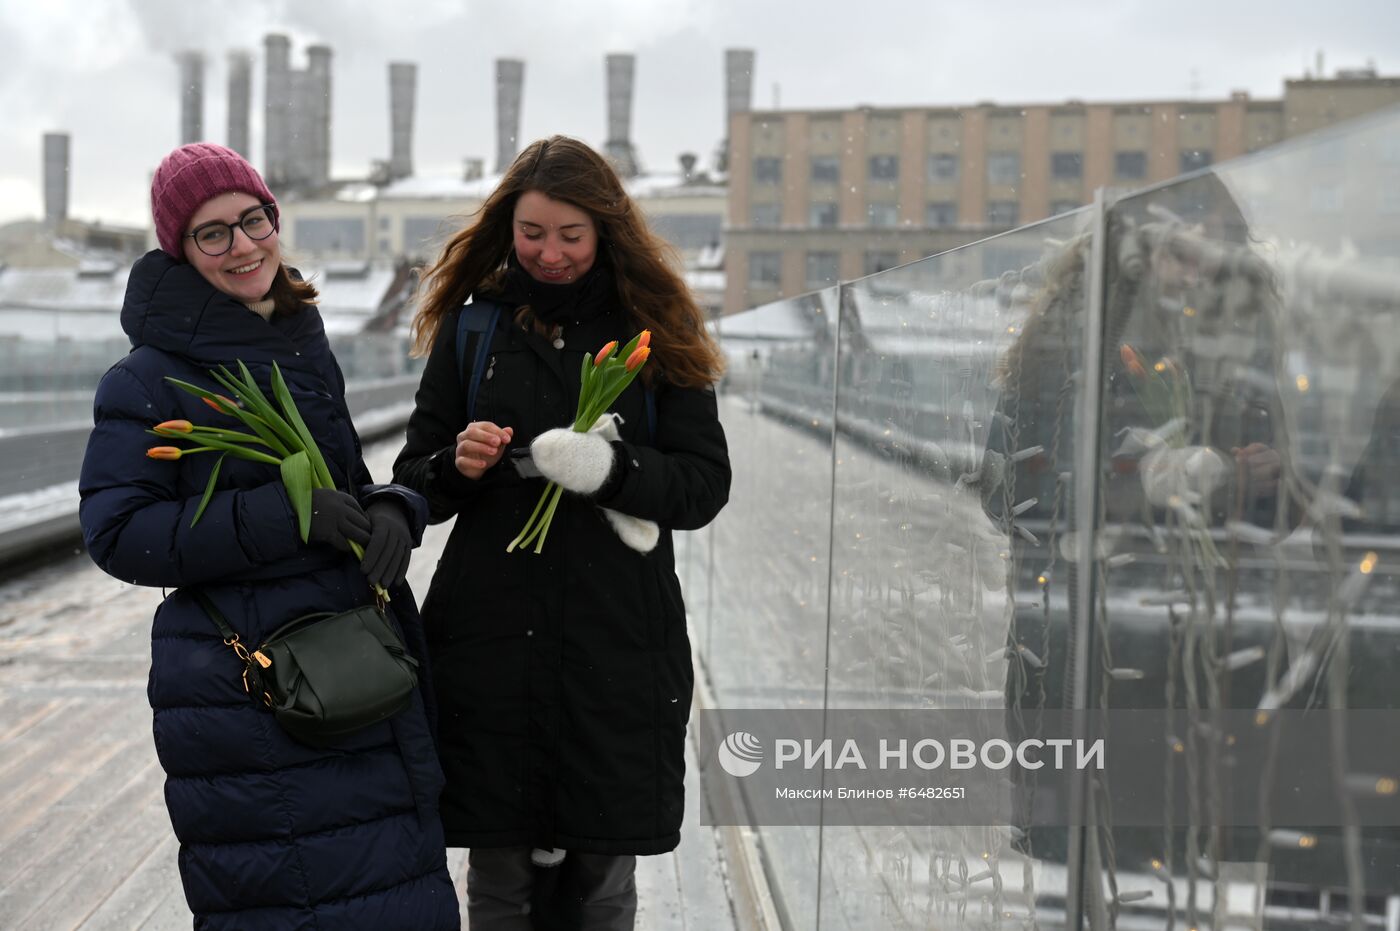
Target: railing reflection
(910, 528)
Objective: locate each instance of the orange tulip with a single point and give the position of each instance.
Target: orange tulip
(223, 405)
(645, 340)
(1132, 360)
(639, 355)
(175, 426)
(605, 352)
(164, 452)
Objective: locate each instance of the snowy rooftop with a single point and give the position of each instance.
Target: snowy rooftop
(84, 303)
(657, 185)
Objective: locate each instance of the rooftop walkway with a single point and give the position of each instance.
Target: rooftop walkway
(85, 842)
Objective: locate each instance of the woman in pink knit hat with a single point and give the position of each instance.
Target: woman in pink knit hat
(273, 833)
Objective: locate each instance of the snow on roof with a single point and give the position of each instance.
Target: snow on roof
(350, 294)
(448, 188)
(76, 289)
(84, 304)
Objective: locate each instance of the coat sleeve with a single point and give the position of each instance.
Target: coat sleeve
(137, 526)
(683, 482)
(439, 414)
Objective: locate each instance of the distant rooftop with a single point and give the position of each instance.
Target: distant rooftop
(451, 188)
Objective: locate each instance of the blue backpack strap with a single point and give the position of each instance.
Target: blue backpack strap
(478, 321)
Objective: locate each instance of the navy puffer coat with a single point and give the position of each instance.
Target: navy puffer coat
(273, 834)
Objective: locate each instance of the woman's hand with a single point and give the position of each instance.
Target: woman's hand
(479, 447)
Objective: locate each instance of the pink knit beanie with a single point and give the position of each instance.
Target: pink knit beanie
(190, 176)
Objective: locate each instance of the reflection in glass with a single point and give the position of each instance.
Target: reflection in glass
(906, 532)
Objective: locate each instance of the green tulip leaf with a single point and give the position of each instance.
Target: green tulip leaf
(296, 476)
(208, 491)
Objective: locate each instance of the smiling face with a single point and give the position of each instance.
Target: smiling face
(245, 272)
(555, 241)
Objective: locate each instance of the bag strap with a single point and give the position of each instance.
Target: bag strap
(230, 636)
(216, 616)
(477, 321)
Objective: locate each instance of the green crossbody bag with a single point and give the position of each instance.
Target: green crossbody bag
(326, 675)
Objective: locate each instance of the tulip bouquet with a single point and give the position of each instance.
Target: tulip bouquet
(603, 378)
(274, 437)
(1174, 475)
(1165, 393)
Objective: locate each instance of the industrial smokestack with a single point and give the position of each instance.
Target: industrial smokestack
(317, 101)
(619, 148)
(738, 83)
(240, 101)
(403, 80)
(191, 96)
(277, 107)
(738, 94)
(510, 81)
(55, 179)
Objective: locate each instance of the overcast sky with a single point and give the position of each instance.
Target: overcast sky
(103, 70)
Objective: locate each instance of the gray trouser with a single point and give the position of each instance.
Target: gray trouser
(588, 891)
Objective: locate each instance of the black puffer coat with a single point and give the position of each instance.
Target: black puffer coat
(563, 679)
(273, 834)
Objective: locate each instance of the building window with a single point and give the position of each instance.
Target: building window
(822, 215)
(826, 168)
(767, 170)
(884, 168)
(1066, 166)
(424, 236)
(687, 230)
(1195, 159)
(765, 216)
(942, 213)
(1003, 212)
(765, 269)
(1130, 166)
(313, 234)
(879, 260)
(1063, 206)
(822, 268)
(1004, 168)
(882, 214)
(943, 166)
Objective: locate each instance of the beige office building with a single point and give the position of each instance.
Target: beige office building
(820, 196)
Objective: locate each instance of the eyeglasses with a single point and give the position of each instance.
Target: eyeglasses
(216, 237)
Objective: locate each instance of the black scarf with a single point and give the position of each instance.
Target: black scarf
(568, 302)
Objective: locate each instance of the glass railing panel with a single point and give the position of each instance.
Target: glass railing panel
(765, 646)
(954, 448)
(1247, 551)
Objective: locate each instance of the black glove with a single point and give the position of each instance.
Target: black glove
(337, 519)
(390, 544)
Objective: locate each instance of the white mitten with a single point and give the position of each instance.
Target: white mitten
(636, 532)
(541, 857)
(1189, 473)
(580, 462)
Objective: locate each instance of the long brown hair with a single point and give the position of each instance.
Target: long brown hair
(654, 297)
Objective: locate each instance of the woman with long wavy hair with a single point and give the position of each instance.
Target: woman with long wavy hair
(565, 676)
